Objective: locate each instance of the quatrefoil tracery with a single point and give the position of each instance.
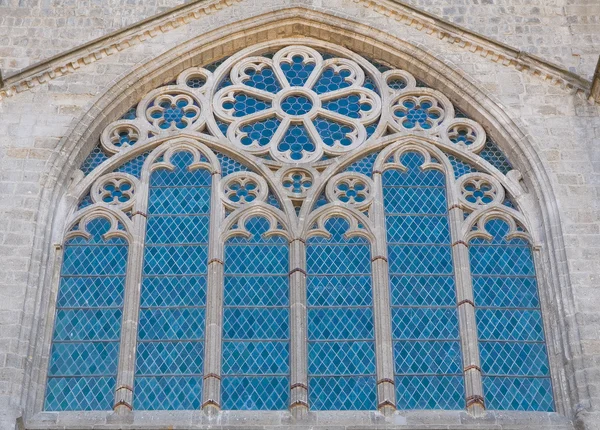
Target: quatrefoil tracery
(479, 189)
(241, 188)
(115, 189)
(351, 188)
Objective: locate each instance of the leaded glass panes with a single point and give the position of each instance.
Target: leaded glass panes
(170, 349)
(256, 333)
(424, 318)
(514, 361)
(341, 347)
(87, 329)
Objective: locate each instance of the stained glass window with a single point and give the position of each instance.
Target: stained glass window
(514, 360)
(87, 329)
(341, 338)
(256, 331)
(170, 347)
(424, 318)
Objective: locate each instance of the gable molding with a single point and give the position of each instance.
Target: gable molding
(72, 60)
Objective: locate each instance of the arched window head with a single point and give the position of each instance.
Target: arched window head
(297, 227)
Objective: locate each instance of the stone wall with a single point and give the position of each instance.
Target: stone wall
(562, 128)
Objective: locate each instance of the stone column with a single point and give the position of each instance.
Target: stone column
(211, 391)
(466, 316)
(298, 330)
(386, 387)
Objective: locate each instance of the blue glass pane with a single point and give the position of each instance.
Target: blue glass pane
(296, 71)
(348, 290)
(175, 358)
(364, 165)
(93, 160)
(505, 292)
(175, 260)
(514, 358)
(255, 393)
(260, 132)
(518, 394)
(340, 323)
(430, 357)
(175, 323)
(417, 229)
(420, 259)
(167, 393)
(495, 157)
(89, 358)
(330, 80)
(181, 176)
(173, 291)
(415, 200)
(297, 141)
(341, 358)
(460, 167)
(263, 79)
(130, 114)
(179, 201)
(177, 229)
(338, 259)
(333, 133)
(134, 166)
(80, 394)
(422, 290)
(340, 393)
(413, 176)
(424, 323)
(256, 323)
(509, 324)
(501, 260)
(94, 260)
(268, 290)
(430, 392)
(87, 324)
(229, 165)
(256, 358)
(266, 259)
(91, 292)
(349, 106)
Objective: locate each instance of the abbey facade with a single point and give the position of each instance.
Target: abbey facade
(300, 214)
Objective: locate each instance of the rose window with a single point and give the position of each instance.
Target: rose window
(296, 107)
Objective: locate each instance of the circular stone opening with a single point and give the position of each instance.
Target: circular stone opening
(296, 105)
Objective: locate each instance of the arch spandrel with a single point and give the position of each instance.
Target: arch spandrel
(444, 124)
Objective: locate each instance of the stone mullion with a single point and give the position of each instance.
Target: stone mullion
(386, 386)
(298, 329)
(466, 316)
(211, 391)
(131, 309)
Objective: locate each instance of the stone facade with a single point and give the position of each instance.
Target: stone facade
(538, 114)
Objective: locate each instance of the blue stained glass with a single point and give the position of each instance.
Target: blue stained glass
(460, 167)
(134, 166)
(167, 393)
(418, 229)
(364, 165)
(340, 323)
(260, 132)
(330, 80)
(407, 200)
(495, 157)
(175, 260)
(80, 394)
(429, 357)
(501, 260)
(179, 201)
(256, 358)
(424, 323)
(173, 291)
(177, 229)
(422, 290)
(370, 84)
(243, 258)
(504, 292)
(265, 290)
(341, 358)
(518, 394)
(509, 324)
(175, 358)
(85, 202)
(514, 358)
(297, 71)
(430, 392)
(263, 79)
(256, 323)
(336, 259)
(412, 114)
(229, 165)
(87, 324)
(171, 324)
(130, 114)
(344, 290)
(93, 160)
(349, 106)
(420, 259)
(333, 133)
(85, 358)
(339, 393)
(255, 393)
(297, 141)
(213, 66)
(245, 104)
(91, 292)
(413, 176)
(296, 105)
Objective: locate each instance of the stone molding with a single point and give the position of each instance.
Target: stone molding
(72, 60)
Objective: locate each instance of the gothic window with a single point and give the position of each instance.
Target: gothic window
(297, 227)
